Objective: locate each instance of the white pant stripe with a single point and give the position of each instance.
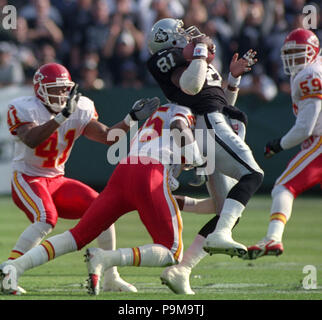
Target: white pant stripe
(177, 240)
(299, 163)
(38, 201)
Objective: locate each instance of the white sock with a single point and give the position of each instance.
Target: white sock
(155, 255)
(107, 241)
(275, 230)
(31, 237)
(194, 254)
(51, 248)
(231, 211)
(32, 258)
(151, 255)
(281, 211)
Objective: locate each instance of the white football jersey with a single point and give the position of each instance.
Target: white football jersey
(307, 84)
(153, 139)
(48, 159)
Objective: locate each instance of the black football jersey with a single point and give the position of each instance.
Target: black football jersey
(210, 98)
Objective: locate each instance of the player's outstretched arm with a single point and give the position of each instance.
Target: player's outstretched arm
(33, 135)
(141, 110)
(302, 129)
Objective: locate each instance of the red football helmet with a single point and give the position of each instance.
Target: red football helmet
(301, 47)
(48, 76)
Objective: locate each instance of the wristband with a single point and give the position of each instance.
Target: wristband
(60, 119)
(129, 120)
(232, 81)
(200, 50)
(192, 154)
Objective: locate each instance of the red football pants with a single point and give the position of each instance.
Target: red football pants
(46, 199)
(305, 170)
(135, 187)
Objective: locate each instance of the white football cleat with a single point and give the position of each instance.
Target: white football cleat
(16, 292)
(4, 273)
(223, 243)
(117, 284)
(20, 291)
(265, 247)
(177, 279)
(94, 262)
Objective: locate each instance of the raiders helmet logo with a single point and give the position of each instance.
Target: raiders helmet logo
(161, 36)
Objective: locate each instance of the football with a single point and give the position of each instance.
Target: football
(188, 53)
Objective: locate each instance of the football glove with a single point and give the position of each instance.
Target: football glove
(235, 113)
(72, 101)
(272, 147)
(174, 184)
(174, 172)
(143, 108)
(249, 56)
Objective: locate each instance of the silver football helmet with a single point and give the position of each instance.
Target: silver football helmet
(168, 33)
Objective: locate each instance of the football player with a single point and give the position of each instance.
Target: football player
(139, 182)
(302, 61)
(45, 127)
(198, 85)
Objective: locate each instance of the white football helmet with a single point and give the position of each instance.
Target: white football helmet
(169, 33)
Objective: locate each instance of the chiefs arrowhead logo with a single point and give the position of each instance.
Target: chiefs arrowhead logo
(38, 77)
(313, 40)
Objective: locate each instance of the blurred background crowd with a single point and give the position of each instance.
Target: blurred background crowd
(103, 42)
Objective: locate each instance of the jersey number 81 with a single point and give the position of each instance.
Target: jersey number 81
(166, 63)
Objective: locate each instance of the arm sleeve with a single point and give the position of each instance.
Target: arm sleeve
(194, 77)
(309, 110)
(231, 96)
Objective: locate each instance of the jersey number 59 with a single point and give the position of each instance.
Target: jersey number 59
(313, 86)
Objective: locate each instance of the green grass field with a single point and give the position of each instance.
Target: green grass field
(217, 277)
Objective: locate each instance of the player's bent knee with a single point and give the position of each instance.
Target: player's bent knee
(246, 187)
(52, 221)
(280, 189)
(255, 181)
(258, 178)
